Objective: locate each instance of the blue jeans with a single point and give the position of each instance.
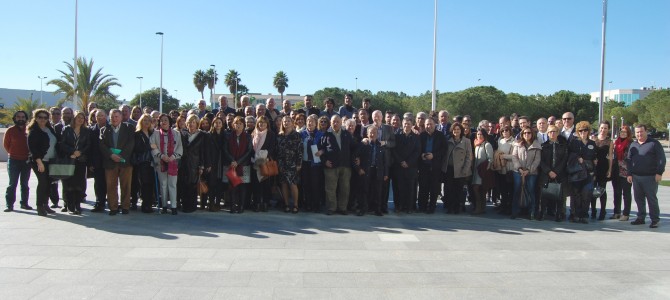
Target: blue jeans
(17, 169)
(529, 191)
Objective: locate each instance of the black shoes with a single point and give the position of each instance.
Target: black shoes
(654, 224)
(26, 207)
(637, 222)
(55, 206)
(49, 210)
(174, 211)
(9, 209)
(64, 209)
(124, 211)
(583, 221)
(113, 212)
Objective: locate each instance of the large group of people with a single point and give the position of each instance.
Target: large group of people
(335, 161)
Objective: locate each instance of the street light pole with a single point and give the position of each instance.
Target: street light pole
(211, 101)
(602, 63)
(41, 78)
(160, 95)
(357, 83)
(176, 94)
(140, 78)
(75, 81)
(236, 80)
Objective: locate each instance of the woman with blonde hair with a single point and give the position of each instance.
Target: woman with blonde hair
(193, 162)
(143, 169)
(290, 161)
(265, 145)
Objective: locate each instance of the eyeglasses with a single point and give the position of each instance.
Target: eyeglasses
(567, 118)
(506, 130)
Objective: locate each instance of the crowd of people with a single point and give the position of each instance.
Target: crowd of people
(340, 161)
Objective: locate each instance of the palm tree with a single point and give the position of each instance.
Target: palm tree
(91, 86)
(212, 79)
(232, 81)
(200, 81)
(280, 82)
(27, 105)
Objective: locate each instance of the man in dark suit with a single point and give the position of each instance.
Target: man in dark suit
(223, 106)
(372, 171)
(309, 108)
(95, 162)
(433, 148)
(405, 158)
(116, 146)
(336, 150)
(386, 138)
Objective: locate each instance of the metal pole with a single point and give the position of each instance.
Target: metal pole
(41, 88)
(75, 80)
(211, 101)
(602, 64)
(140, 78)
(434, 98)
(236, 80)
(160, 95)
(613, 127)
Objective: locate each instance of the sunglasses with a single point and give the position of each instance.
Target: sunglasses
(567, 118)
(42, 117)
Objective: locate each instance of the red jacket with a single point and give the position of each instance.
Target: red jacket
(16, 143)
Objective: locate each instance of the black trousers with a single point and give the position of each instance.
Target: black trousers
(53, 192)
(405, 182)
(506, 190)
(189, 201)
(238, 195)
(261, 192)
(312, 186)
(147, 184)
(215, 185)
(429, 186)
(370, 195)
(100, 186)
(43, 186)
(135, 186)
(455, 197)
(74, 187)
(622, 189)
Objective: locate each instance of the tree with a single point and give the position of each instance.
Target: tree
(91, 85)
(150, 98)
(27, 105)
(200, 81)
(653, 110)
(211, 78)
(280, 82)
(187, 106)
(232, 81)
(108, 104)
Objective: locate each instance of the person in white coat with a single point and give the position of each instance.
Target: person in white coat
(166, 148)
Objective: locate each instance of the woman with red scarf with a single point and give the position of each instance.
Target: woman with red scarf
(166, 149)
(237, 154)
(619, 173)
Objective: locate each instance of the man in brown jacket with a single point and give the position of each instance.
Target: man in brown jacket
(116, 146)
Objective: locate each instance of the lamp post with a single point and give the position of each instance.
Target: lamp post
(74, 69)
(211, 101)
(140, 78)
(613, 127)
(160, 95)
(236, 80)
(434, 95)
(41, 78)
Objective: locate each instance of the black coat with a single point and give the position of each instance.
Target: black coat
(439, 149)
(547, 163)
(70, 143)
(194, 157)
(142, 150)
(338, 155)
(407, 149)
(38, 143)
(94, 157)
(217, 143)
(364, 154)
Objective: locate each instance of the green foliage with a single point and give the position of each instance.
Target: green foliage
(653, 110)
(280, 82)
(211, 77)
(151, 98)
(27, 105)
(187, 106)
(232, 81)
(92, 86)
(108, 104)
(200, 81)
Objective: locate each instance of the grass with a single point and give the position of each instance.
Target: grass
(665, 182)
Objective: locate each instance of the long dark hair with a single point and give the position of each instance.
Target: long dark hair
(33, 121)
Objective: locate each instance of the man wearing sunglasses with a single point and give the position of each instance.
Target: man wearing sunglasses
(568, 131)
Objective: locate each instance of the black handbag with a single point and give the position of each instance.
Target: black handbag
(61, 168)
(598, 191)
(552, 191)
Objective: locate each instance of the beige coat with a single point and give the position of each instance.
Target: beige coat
(505, 148)
(462, 157)
(528, 159)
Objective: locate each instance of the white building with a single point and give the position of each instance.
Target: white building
(258, 98)
(627, 96)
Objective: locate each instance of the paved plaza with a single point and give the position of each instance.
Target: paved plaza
(313, 256)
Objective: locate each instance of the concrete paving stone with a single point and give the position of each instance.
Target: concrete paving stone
(20, 261)
(72, 291)
(442, 293)
(225, 279)
(407, 266)
(325, 245)
(277, 280)
(301, 293)
(200, 264)
(385, 245)
(135, 292)
(352, 266)
(370, 293)
(13, 275)
(300, 266)
(634, 291)
(160, 278)
(185, 292)
(20, 290)
(243, 293)
(135, 264)
(63, 263)
(117, 252)
(170, 253)
(65, 277)
(255, 265)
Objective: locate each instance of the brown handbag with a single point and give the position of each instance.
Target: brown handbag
(269, 168)
(202, 187)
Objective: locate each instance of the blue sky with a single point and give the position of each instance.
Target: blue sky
(524, 46)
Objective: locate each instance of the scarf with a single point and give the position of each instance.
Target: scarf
(620, 146)
(237, 146)
(259, 139)
(169, 167)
